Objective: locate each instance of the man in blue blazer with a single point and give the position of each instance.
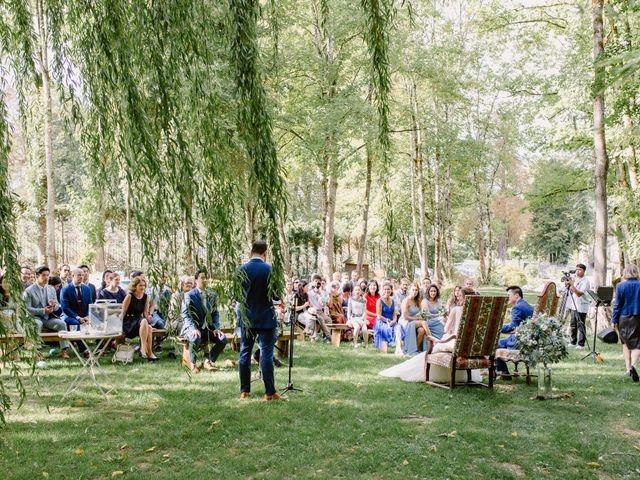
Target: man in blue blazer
(75, 299)
(202, 323)
(520, 311)
(259, 321)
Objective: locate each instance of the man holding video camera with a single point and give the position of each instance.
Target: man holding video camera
(578, 305)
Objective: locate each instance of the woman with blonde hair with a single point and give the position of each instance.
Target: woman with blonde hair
(136, 321)
(626, 318)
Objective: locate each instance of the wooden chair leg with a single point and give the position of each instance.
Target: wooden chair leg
(492, 371)
(452, 379)
(528, 377)
(468, 376)
(428, 369)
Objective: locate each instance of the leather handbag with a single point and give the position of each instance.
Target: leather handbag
(608, 335)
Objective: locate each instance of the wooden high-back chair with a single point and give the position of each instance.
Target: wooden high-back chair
(547, 300)
(476, 340)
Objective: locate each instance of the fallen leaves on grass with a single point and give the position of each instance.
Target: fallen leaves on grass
(637, 447)
(593, 465)
(433, 448)
(514, 434)
(79, 451)
(151, 449)
(449, 435)
(117, 473)
(405, 462)
(122, 447)
(213, 424)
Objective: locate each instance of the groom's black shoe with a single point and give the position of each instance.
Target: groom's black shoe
(634, 374)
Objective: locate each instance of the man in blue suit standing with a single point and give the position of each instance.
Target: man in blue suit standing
(202, 323)
(260, 321)
(520, 311)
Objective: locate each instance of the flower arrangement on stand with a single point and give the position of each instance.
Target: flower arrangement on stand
(542, 342)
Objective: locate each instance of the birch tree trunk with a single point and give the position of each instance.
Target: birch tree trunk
(419, 169)
(365, 212)
(602, 162)
(43, 63)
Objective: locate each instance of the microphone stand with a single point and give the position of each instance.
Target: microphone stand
(292, 323)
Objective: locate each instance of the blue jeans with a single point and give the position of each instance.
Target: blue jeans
(267, 340)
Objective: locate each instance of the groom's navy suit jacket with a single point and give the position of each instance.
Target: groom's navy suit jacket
(258, 303)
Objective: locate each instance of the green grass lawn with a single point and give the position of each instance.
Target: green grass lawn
(348, 423)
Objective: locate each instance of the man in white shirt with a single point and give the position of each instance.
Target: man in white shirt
(578, 305)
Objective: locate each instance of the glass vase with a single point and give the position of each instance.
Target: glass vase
(545, 384)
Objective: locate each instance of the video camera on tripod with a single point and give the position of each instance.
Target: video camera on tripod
(566, 276)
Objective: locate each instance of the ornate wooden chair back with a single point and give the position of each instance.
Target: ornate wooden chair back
(479, 329)
(548, 300)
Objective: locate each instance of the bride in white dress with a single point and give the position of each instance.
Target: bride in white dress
(413, 370)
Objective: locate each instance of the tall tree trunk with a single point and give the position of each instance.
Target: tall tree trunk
(188, 226)
(362, 243)
(602, 162)
(43, 63)
(419, 169)
(284, 247)
(630, 151)
(327, 257)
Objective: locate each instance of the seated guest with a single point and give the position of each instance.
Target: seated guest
(112, 291)
(202, 323)
(384, 326)
(65, 273)
(27, 276)
(135, 318)
(345, 279)
(136, 273)
(356, 315)
(433, 307)
(520, 311)
(336, 313)
(5, 296)
(75, 299)
(42, 305)
(177, 302)
(86, 281)
(347, 289)
(56, 283)
(452, 299)
(160, 297)
(106, 276)
(470, 286)
(317, 313)
(371, 297)
(401, 293)
(7, 307)
(301, 305)
(424, 291)
(354, 279)
(289, 293)
(413, 328)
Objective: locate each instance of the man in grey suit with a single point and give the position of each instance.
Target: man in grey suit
(42, 305)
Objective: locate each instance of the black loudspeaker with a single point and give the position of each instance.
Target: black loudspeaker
(608, 335)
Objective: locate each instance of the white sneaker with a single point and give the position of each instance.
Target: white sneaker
(580, 347)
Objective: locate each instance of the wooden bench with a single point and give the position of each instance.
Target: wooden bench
(337, 329)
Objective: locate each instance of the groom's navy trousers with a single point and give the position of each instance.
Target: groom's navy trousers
(267, 340)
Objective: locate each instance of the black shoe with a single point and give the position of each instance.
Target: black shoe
(634, 374)
(158, 349)
(327, 340)
(277, 362)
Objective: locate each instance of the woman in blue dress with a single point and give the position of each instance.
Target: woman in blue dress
(406, 329)
(419, 331)
(384, 326)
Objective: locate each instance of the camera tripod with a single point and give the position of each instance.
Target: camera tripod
(600, 302)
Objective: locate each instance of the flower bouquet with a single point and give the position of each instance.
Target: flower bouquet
(542, 341)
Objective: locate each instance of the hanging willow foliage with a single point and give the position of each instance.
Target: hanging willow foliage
(379, 14)
(15, 34)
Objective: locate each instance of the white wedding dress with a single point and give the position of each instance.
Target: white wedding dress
(413, 370)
